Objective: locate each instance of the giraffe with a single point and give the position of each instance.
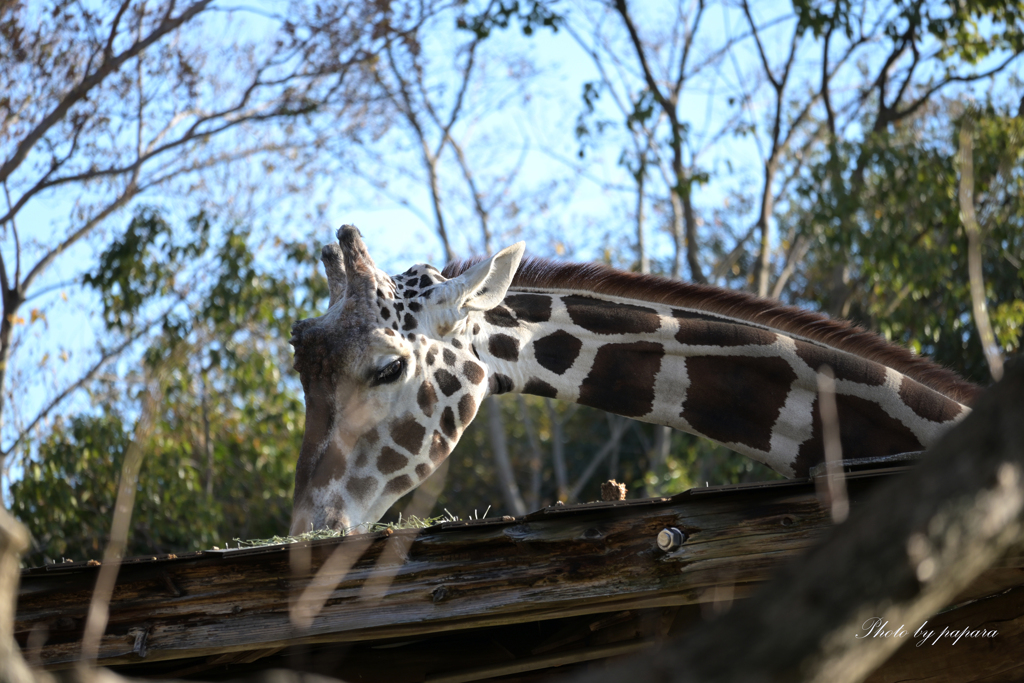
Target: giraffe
(397, 367)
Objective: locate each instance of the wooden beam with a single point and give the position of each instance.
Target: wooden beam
(555, 563)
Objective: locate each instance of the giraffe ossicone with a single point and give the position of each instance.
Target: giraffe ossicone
(397, 367)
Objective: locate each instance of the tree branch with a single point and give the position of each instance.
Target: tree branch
(81, 90)
(760, 48)
(41, 265)
(969, 78)
(88, 376)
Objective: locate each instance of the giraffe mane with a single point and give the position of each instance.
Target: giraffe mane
(838, 334)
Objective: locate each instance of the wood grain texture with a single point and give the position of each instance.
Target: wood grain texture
(559, 562)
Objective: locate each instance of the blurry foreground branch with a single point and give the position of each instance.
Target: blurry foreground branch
(904, 554)
(13, 542)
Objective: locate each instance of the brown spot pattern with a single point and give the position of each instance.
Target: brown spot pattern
(408, 433)
(361, 488)
(448, 382)
(449, 356)
(707, 330)
(604, 317)
(398, 485)
(844, 366)
(864, 427)
(473, 372)
(736, 398)
(438, 448)
(426, 397)
(467, 409)
(557, 351)
(927, 403)
(422, 470)
(539, 387)
(696, 315)
(500, 316)
(504, 347)
(621, 379)
(448, 422)
(331, 466)
(531, 308)
(410, 322)
(390, 460)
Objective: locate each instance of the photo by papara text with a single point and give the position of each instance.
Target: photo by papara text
(876, 627)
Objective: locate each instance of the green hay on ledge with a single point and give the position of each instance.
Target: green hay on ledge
(411, 522)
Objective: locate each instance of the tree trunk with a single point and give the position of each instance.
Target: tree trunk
(677, 235)
(536, 461)
(558, 452)
(643, 262)
(499, 446)
(692, 248)
(763, 268)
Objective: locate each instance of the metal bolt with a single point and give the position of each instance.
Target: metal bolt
(670, 538)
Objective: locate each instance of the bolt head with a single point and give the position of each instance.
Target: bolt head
(670, 538)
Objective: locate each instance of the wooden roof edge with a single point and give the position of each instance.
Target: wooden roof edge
(551, 512)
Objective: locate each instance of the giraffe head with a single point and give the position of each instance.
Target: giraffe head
(390, 377)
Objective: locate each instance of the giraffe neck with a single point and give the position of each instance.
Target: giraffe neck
(745, 384)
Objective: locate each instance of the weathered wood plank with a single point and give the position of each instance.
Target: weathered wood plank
(558, 563)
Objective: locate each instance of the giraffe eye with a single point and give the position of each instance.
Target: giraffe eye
(389, 373)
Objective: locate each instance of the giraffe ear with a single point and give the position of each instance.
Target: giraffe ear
(483, 286)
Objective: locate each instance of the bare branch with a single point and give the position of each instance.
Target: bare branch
(41, 265)
(760, 48)
(108, 51)
(638, 48)
(82, 89)
(105, 357)
(794, 255)
(429, 159)
(687, 44)
(968, 78)
(826, 90)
